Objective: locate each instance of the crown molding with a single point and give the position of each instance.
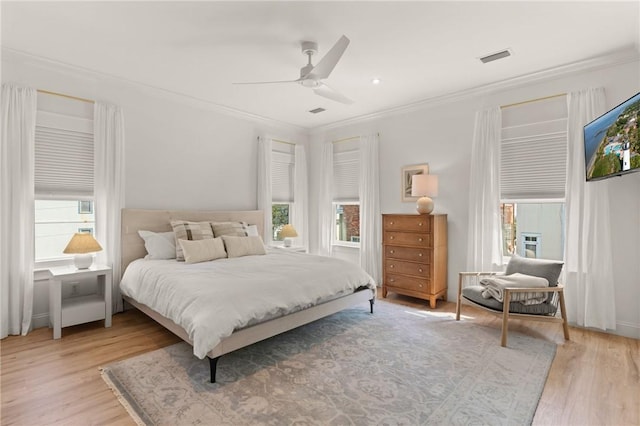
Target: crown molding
(13, 55)
(615, 58)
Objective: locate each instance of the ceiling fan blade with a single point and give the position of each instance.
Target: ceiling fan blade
(329, 61)
(269, 82)
(327, 92)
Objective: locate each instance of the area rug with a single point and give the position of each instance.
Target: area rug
(397, 366)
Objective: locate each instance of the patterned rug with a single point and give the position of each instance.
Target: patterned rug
(399, 366)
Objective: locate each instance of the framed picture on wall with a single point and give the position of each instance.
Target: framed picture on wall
(407, 173)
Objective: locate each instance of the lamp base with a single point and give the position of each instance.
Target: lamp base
(83, 261)
(424, 205)
(287, 242)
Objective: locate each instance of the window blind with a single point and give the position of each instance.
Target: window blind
(533, 157)
(63, 162)
(346, 172)
(282, 177)
(534, 167)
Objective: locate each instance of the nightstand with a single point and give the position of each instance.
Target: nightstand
(78, 310)
(298, 249)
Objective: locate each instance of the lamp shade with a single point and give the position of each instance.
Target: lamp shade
(288, 231)
(82, 243)
(424, 185)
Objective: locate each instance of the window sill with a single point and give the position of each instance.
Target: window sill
(346, 244)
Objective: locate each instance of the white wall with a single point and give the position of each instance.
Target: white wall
(180, 153)
(440, 133)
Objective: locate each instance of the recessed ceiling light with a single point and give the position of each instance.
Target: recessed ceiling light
(376, 81)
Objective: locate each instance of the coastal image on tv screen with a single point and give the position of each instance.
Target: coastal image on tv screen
(612, 141)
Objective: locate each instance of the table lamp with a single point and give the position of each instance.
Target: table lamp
(83, 245)
(287, 232)
(424, 186)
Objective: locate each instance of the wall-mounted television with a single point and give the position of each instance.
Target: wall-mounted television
(612, 141)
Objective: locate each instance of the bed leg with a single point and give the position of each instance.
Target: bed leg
(371, 304)
(213, 362)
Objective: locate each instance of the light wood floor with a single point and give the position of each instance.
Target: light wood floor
(594, 378)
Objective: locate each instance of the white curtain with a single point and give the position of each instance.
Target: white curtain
(325, 202)
(17, 209)
(264, 185)
(369, 193)
(108, 131)
(485, 229)
(300, 211)
(588, 270)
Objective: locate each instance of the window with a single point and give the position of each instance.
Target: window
(63, 174)
(280, 217)
(55, 223)
(532, 179)
(347, 230)
(282, 169)
(346, 198)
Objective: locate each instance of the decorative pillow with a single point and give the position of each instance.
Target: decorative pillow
(159, 245)
(236, 229)
(202, 250)
(549, 269)
(185, 230)
(243, 246)
(252, 231)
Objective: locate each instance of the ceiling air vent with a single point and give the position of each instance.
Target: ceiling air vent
(317, 110)
(495, 56)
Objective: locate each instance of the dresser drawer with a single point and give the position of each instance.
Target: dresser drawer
(409, 268)
(411, 223)
(408, 239)
(408, 253)
(407, 283)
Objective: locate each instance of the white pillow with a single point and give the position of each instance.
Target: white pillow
(159, 245)
(252, 231)
(202, 250)
(243, 246)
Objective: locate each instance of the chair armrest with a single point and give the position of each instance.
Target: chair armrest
(557, 289)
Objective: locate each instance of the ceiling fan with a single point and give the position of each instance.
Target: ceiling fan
(312, 76)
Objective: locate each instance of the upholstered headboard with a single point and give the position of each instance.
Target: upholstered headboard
(133, 220)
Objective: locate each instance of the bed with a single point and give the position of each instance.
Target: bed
(244, 306)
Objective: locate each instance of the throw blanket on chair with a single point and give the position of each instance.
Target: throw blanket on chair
(495, 285)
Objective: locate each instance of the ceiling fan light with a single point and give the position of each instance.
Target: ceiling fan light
(376, 81)
(310, 82)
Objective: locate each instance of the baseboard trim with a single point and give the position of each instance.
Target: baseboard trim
(40, 320)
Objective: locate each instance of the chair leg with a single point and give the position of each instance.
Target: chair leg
(563, 312)
(458, 298)
(505, 318)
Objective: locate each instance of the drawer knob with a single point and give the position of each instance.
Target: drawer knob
(420, 239)
(419, 223)
(391, 266)
(419, 269)
(391, 237)
(391, 280)
(419, 254)
(391, 223)
(391, 251)
(420, 285)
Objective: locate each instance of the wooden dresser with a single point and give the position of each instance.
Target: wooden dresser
(415, 256)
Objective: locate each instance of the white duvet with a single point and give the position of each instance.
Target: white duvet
(212, 299)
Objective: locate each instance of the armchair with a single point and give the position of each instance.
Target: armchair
(470, 292)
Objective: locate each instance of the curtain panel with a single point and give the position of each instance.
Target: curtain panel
(588, 270)
(264, 186)
(370, 220)
(325, 203)
(485, 228)
(299, 214)
(17, 209)
(108, 125)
